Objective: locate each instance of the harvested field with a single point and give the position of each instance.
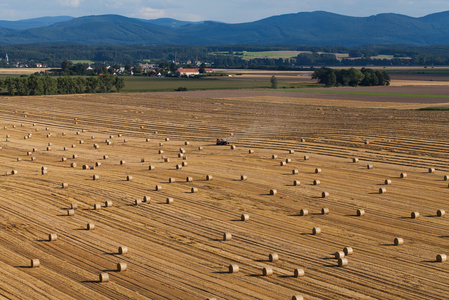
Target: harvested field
(177, 250)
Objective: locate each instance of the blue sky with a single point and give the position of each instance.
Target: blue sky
(229, 11)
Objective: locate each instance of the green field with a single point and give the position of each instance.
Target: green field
(152, 84)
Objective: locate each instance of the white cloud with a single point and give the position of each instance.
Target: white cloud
(151, 13)
(72, 3)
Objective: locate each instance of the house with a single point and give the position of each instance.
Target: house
(188, 72)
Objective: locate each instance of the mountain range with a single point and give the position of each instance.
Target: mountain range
(317, 28)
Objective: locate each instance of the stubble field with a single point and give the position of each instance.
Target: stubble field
(176, 251)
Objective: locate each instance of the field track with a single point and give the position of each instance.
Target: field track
(176, 251)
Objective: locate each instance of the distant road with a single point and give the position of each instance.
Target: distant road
(20, 71)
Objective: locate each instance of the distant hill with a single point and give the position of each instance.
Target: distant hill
(306, 28)
(33, 23)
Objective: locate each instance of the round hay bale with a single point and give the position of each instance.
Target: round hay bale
(317, 170)
(81, 142)
(14, 172)
(43, 172)
(189, 179)
(227, 236)
(355, 159)
(95, 177)
(441, 213)
(108, 203)
(304, 212)
(161, 144)
(273, 192)
(316, 230)
(387, 181)
(180, 155)
(90, 226)
(122, 250)
(360, 212)
(64, 159)
(71, 212)
(86, 167)
(146, 199)
(105, 156)
(129, 178)
(52, 237)
(398, 241)
(403, 175)
(283, 163)
(34, 149)
(342, 262)
(273, 257)
(288, 160)
(184, 164)
(296, 182)
(64, 185)
(325, 211)
(316, 182)
(19, 159)
(267, 271)
(250, 151)
(441, 258)
(446, 177)
(291, 151)
(295, 171)
(122, 267)
(233, 268)
(209, 177)
(33, 158)
(158, 187)
(233, 147)
(298, 273)
(171, 180)
(122, 162)
(48, 148)
(161, 151)
(97, 206)
(179, 166)
(74, 156)
(96, 146)
(169, 200)
(74, 205)
(150, 167)
(73, 146)
(243, 177)
(382, 190)
(97, 163)
(369, 167)
(35, 263)
(306, 157)
(29, 153)
(431, 170)
(339, 254)
(137, 201)
(147, 140)
(348, 250)
(244, 217)
(167, 139)
(297, 297)
(119, 135)
(274, 156)
(194, 190)
(324, 194)
(166, 159)
(415, 215)
(200, 148)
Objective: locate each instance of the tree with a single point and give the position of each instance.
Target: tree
(49, 85)
(274, 82)
(119, 83)
(326, 76)
(202, 69)
(35, 85)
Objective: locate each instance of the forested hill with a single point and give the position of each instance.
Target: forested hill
(306, 28)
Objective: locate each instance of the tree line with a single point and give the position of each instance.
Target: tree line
(351, 77)
(46, 85)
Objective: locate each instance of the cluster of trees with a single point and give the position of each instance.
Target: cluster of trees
(46, 85)
(351, 77)
(226, 56)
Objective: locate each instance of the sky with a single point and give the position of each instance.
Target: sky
(229, 11)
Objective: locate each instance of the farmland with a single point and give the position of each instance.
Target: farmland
(176, 250)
